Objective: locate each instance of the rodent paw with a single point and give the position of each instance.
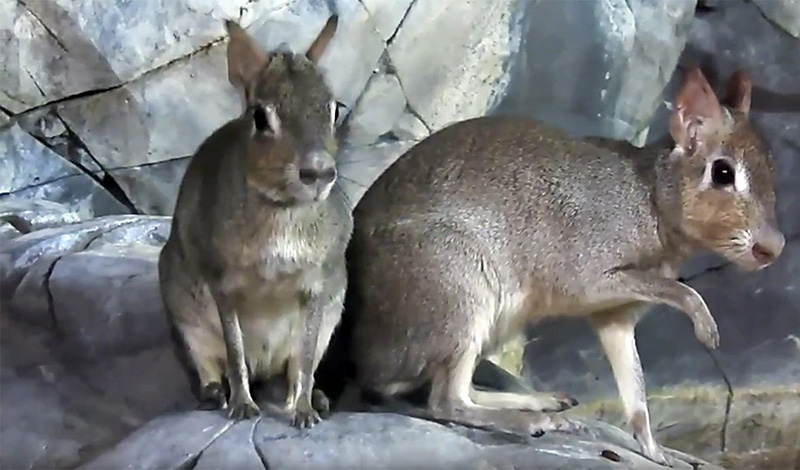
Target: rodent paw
(243, 409)
(707, 333)
(212, 397)
(305, 416)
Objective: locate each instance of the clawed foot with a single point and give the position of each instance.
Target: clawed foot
(541, 423)
(705, 329)
(305, 416)
(657, 455)
(320, 402)
(563, 402)
(243, 408)
(212, 397)
(560, 424)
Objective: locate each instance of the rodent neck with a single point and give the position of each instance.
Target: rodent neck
(666, 191)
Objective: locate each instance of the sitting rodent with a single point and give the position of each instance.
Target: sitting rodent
(496, 222)
(253, 274)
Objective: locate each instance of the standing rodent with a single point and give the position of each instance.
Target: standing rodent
(253, 274)
(496, 222)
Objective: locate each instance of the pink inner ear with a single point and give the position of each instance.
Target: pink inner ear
(695, 105)
(739, 90)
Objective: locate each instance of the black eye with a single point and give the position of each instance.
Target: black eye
(260, 119)
(722, 173)
(337, 111)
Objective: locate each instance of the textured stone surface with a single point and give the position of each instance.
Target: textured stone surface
(447, 52)
(31, 170)
(785, 13)
(606, 75)
(203, 440)
(21, 216)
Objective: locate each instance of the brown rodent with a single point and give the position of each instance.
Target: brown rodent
(253, 275)
(496, 222)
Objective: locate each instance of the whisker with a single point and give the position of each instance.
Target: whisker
(351, 180)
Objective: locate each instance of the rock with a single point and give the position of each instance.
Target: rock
(26, 162)
(379, 108)
(359, 166)
(450, 57)
(152, 187)
(57, 42)
(785, 13)
(206, 440)
(32, 171)
(387, 16)
(21, 216)
(157, 117)
(604, 77)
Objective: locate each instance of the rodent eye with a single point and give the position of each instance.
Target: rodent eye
(722, 173)
(260, 119)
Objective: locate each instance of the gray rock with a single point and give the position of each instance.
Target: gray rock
(387, 15)
(604, 77)
(361, 440)
(459, 77)
(360, 166)
(379, 109)
(26, 162)
(62, 40)
(30, 170)
(157, 117)
(785, 13)
(26, 215)
(152, 188)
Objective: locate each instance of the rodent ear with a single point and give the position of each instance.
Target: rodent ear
(738, 92)
(321, 43)
(245, 58)
(697, 113)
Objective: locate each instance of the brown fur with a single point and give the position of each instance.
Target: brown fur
(253, 275)
(496, 222)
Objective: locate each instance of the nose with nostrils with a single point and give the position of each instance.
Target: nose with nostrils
(318, 169)
(768, 244)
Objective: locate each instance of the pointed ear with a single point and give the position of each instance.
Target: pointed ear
(245, 57)
(324, 38)
(696, 114)
(738, 92)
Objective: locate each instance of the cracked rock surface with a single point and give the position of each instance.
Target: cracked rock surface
(124, 93)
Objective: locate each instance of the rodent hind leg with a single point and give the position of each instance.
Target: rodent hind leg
(207, 355)
(532, 401)
(450, 401)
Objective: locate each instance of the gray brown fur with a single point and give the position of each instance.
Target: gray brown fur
(497, 222)
(253, 275)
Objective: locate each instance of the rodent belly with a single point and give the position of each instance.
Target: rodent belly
(270, 340)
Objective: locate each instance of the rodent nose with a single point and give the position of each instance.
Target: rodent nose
(768, 245)
(310, 176)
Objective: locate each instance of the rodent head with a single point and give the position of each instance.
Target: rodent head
(291, 115)
(727, 188)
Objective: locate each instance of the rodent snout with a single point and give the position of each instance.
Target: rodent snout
(767, 245)
(312, 176)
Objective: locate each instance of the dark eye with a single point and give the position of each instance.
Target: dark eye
(722, 173)
(260, 119)
(337, 111)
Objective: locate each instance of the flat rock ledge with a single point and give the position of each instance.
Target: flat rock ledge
(208, 440)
